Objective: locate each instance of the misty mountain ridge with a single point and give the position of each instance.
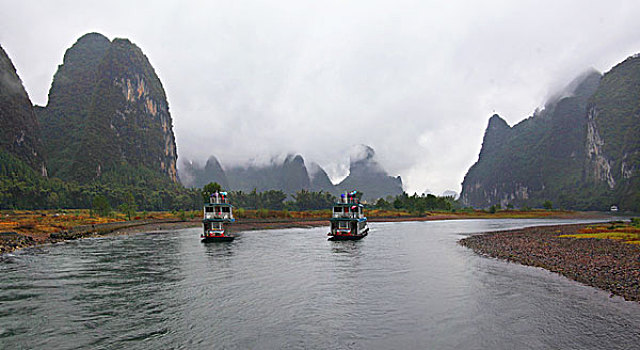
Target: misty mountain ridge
(292, 174)
(107, 122)
(581, 151)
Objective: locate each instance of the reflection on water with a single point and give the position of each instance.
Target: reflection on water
(219, 250)
(406, 285)
(349, 248)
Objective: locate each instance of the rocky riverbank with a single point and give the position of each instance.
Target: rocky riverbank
(611, 265)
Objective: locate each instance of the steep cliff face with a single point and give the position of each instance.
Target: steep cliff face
(613, 137)
(70, 98)
(598, 165)
(107, 112)
(582, 151)
(19, 134)
(492, 178)
(539, 159)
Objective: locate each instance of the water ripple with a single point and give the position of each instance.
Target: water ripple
(407, 285)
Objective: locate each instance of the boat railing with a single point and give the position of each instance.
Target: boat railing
(219, 215)
(218, 198)
(346, 215)
(213, 200)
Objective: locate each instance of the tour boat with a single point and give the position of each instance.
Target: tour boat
(218, 214)
(348, 222)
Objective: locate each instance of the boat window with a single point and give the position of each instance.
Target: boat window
(208, 209)
(343, 224)
(225, 209)
(337, 209)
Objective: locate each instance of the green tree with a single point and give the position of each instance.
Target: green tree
(100, 205)
(383, 204)
(129, 207)
(307, 200)
(547, 205)
(209, 189)
(273, 199)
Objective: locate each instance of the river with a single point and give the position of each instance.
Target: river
(407, 285)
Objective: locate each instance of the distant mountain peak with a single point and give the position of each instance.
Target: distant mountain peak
(368, 176)
(497, 123)
(361, 153)
(291, 158)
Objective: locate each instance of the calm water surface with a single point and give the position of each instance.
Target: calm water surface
(405, 286)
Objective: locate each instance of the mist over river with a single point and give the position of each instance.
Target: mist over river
(408, 285)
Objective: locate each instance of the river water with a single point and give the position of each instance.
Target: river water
(406, 286)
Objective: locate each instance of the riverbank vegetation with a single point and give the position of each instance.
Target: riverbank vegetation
(100, 205)
(44, 222)
(22, 188)
(626, 232)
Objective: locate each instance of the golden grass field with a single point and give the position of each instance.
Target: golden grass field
(620, 231)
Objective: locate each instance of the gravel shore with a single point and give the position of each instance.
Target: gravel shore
(607, 264)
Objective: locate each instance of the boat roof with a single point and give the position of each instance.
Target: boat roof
(348, 219)
(347, 204)
(218, 220)
(220, 204)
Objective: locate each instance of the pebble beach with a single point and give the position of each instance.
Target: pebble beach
(611, 265)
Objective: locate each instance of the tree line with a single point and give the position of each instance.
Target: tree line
(22, 188)
(130, 188)
(274, 199)
(417, 204)
(309, 200)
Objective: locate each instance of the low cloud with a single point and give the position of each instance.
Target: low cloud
(415, 80)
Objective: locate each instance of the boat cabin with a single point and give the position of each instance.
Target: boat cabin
(218, 208)
(348, 210)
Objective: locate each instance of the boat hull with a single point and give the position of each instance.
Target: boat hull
(212, 239)
(347, 237)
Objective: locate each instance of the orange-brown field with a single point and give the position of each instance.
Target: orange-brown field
(39, 224)
(23, 228)
(624, 232)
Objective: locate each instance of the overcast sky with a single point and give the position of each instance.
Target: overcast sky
(415, 80)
